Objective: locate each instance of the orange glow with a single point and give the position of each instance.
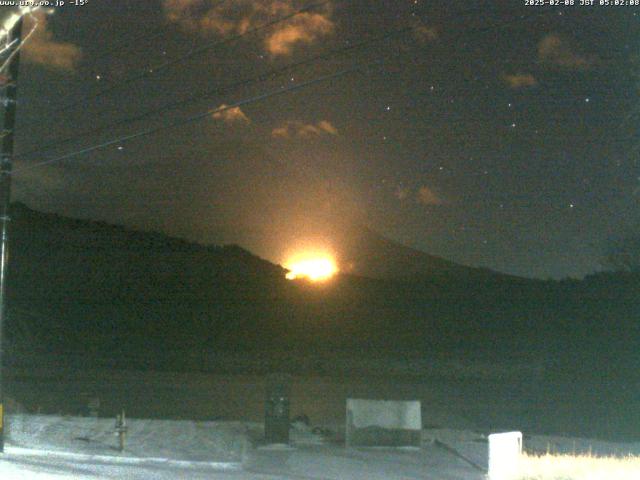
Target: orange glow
(317, 268)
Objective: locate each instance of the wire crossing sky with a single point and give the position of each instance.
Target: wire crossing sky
(501, 135)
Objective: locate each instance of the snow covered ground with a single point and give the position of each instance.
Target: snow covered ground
(167, 439)
(55, 447)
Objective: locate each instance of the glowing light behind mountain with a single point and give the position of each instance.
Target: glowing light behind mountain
(317, 268)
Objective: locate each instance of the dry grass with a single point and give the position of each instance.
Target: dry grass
(578, 467)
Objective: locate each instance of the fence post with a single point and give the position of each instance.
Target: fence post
(121, 430)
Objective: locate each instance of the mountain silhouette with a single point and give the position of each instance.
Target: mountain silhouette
(152, 301)
(367, 253)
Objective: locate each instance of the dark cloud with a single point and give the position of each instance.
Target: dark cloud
(239, 16)
(520, 80)
(42, 49)
(293, 129)
(230, 115)
(426, 196)
(555, 51)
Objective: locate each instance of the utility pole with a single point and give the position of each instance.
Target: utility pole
(9, 98)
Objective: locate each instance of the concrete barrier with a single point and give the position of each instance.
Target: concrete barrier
(383, 423)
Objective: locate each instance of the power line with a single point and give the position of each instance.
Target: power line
(152, 71)
(132, 42)
(194, 98)
(220, 109)
(506, 115)
(170, 63)
(191, 119)
(8, 46)
(217, 90)
(126, 45)
(21, 44)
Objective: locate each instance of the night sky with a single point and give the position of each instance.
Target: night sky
(489, 133)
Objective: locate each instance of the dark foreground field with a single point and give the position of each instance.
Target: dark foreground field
(167, 328)
(474, 396)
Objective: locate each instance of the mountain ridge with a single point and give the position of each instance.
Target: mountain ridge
(95, 289)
